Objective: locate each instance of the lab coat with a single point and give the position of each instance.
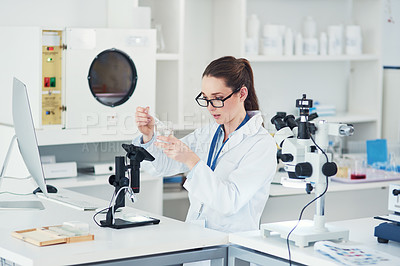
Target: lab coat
(232, 197)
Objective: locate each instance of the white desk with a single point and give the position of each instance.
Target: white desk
(251, 246)
(170, 242)
(342, 202)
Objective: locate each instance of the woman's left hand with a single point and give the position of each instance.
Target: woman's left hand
(177, 150)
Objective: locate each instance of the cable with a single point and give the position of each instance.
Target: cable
(17, 194)
(94, 216)
(112, 203)
(18, 178)
(312, 201)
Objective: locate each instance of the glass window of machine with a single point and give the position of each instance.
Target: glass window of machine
(112, 77)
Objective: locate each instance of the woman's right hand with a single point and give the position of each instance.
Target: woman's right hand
(145, 123)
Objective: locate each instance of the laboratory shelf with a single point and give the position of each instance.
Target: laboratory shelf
(312, 58)
(167, 56)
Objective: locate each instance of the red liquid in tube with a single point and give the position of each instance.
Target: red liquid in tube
(358, 176)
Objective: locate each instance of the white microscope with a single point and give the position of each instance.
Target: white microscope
(390, 230)
(305, 157)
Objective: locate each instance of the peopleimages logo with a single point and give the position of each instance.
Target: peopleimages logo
(108, 124)
(103, 147)
(125, 124)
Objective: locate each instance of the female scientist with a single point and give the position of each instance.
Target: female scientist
(231, 162)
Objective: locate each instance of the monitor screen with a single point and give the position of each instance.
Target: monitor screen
(25, 132)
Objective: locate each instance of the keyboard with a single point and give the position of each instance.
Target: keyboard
(69, 201)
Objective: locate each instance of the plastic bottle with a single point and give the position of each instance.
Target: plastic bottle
(288, 42)
(353, 40)
(272, 40)
(253, 26)
(335, 39)
(252, 40)
(310, 46)
(310, 42)
(299, 44)
(309, 27)
(323, 43)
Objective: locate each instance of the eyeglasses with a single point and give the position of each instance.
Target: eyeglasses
(216, 103)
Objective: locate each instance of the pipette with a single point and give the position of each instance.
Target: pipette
(158, 122)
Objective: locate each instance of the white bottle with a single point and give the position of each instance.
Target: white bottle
(252, 40)
(253, 26)
(310, 43)
(323, 43)
(272, 40)
(335, 39)
(288, 42)
(353, 40)
(309, 27)
(310, 46)
(299, 44)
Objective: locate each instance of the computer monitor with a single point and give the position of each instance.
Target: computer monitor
(25, 132)
(27, 142)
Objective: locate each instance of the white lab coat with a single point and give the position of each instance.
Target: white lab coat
(232, 197)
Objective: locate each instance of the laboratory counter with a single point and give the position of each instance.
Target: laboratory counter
(253, 247)
(169, 242)
(343, 201)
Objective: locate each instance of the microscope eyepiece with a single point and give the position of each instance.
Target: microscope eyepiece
(278, 121)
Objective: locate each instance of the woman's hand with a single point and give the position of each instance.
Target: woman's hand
(145, 123)
(177, 150)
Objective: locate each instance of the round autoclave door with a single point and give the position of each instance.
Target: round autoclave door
(112, 77)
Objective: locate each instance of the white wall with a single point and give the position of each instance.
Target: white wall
(52, 13)
(391, 98)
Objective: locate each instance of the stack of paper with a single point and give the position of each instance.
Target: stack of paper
(355, 255)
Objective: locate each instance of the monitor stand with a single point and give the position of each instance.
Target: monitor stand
(20, 205)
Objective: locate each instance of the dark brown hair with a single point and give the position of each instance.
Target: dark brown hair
(236, 73)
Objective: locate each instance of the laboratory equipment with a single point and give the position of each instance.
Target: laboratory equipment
(84, 82)
(27, 143)
(306, 158)
(96, 168)
(390, 230)
(122, 184)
